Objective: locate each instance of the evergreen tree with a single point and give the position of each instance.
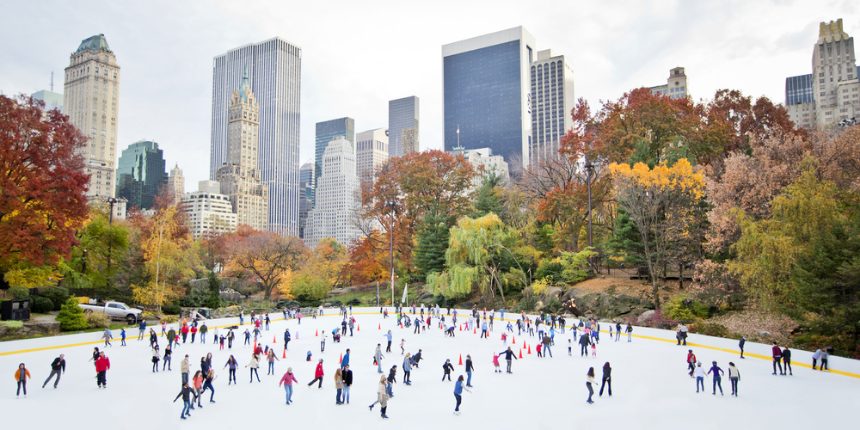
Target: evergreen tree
(486, 197)
(432, 238)
(214, 301)
(71, 316)
(626, 242)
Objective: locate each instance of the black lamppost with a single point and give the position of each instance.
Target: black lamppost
(589, 168)
(391, 204)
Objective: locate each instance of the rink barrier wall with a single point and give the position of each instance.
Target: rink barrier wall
(843, 366)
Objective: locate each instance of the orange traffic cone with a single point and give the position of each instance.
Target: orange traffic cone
(380, 327)
(285, 353)
(461, 359)
(461, 327)
(317, 333)
(514, 341)
(274, 339)
(530, 349)
(340, 360)
(474, 330)
(358, 328)
(255, 344)
(521, 353)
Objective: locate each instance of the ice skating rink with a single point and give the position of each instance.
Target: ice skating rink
(651, 389)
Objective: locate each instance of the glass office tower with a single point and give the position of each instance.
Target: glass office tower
(141, 174)
(326, 132)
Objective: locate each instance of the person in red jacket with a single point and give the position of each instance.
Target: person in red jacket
(318, 375)
(102, 366)
(777, 359)
(184, 332)
(193, 332)
(691, 362)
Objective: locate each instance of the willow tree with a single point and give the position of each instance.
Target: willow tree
(477, 250)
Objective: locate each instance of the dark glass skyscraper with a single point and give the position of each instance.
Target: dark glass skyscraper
(140, 174)
(486, 87)
(403, 126)
(326, 131)
(798, 89)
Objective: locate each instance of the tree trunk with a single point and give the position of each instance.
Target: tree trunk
(680, 276)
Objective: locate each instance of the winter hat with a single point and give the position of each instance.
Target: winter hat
(700, 364)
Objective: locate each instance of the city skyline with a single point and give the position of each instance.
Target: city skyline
(611, 53)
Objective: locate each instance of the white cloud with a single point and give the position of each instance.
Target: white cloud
(359, 55)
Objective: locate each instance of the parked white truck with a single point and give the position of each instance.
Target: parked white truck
(115, 310)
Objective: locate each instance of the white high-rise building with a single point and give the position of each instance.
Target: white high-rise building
(552, 101)
(371, 153)
(208, 210)
(176, 184)
(484, 158)
(336, 202)
(91, 100)
(274, 70)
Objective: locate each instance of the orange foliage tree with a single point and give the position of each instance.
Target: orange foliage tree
(265, 257)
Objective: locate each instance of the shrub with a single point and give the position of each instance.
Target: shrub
(42, 304)
(170, 319)
(710, 329)
(19, 292)
(550, 267)
(71, 316)
(97, 320)
(308, 288)
(353, 302)
(171, 309)
(684, 307)
(58, 296)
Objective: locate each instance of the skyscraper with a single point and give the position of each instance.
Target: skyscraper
(403, 136)
(91, 100)
(52, 100)
(552, 101)
(371, 153)
(208, 210)
(239, 176)
(306, 200)
(326, 132)
(176, 184)
(140, 174)
(335, 206)
(274, 73)
(486, 96)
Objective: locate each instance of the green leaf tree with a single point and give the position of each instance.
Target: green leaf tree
(71, 316)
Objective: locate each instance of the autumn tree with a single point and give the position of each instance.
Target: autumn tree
(43, 185)
(265, 257)
(661, 203)
(367, 262)
(98, 256)
(327, 261)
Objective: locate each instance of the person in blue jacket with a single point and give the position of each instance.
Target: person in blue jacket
(458, 394)
(345, 361)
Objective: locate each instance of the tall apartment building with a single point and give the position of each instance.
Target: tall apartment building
(208, 210)
(831, 93)
(239, 177)
(306, 200)
(52, 100)
(403, 136)
(176, 184)
(676, 85)
(91, 100)
(336, 204)
(327, 131)
(274, 69)
(486, 102)
(371, 152)
(552, 99)
(141, 174)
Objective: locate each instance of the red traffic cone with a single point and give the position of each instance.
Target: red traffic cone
(530, 349)
(380, 327)
(401, 325)
(461, 359)
(255, 344)
(317, 333)
(274, 339)
(461, 327)
(285, 353)
(515, 340)
(358, 328)
(340, 360)
(474, 330)
(521, 353)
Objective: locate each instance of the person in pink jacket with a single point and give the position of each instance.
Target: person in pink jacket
(287, 381)
(318, 375)
(496, 363)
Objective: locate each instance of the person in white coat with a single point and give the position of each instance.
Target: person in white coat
(254, 364)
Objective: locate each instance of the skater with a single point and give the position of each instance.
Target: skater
(700, 377)
(171, 335)
(484, 332)
(629, 331)
(287, 339)
(271, 358)
(322, 343)
(569, 348)
(497, 368)
(469, 369)
(107, 337)
(21, 375)
(247, 337)
(815, 357)
(318, 374)
(734, 377)
(168, 353)
(184, 368)
(691, 362)
(416, 358)
(141, 329)
(207, 385)
(402, 346)
(407, 370)
(538, 349)
(447, 368)
(338, 384)
(786, 361)
(185, 393)
(58, 367)
(392, 379)
(777, 358)
(617, 331)
(606, 379)
(824, 354)
(287, 381)
(231, 376)
(388, 336)
(102, 366)
(197, 383)
(347, 383)
(382, 399)
(254, 364)
(458, 394)
(203, 330)
(508, 356)
(741, 345)
(547, 341)
(193, 333)
(584, 341)
(377, 357)
(718, 373)
(155, 359)
(122, 335)
(589, 383)
(345, 361)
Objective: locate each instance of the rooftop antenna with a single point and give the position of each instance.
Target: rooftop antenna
(52, 81)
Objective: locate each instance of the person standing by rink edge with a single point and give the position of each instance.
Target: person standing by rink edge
(606, 379)
(734, 377)
(21, 376)
(58, 367)
(287, 381)
(786, 361)
(589, 383)
(777, 358)
(458, 394)
(629, 331)
(741, 344)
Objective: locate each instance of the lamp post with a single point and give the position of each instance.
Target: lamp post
(588, 168)
(391, 204)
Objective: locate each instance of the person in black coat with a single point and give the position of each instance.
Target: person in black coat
(606, 379)
(509, 355)
(786, 360)
(186, 394)
(584, 341)
(58, 367)
(447, 368)
(392, 379)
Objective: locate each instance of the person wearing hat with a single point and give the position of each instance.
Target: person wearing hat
(21, 375)
(700, 377)
(717, 377)
(287, 381)
(447, 368)
(318, 374)
(691, 362)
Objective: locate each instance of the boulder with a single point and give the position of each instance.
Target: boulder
(645, 316)
(3, 330)
(43, 328)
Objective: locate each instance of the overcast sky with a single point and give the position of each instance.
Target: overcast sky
(357, 55)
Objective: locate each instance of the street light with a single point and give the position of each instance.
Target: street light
(589, 168)
(391, 204)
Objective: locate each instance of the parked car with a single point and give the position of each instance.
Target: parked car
(114, 310)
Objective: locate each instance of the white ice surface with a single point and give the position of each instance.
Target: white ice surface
(650, 385)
